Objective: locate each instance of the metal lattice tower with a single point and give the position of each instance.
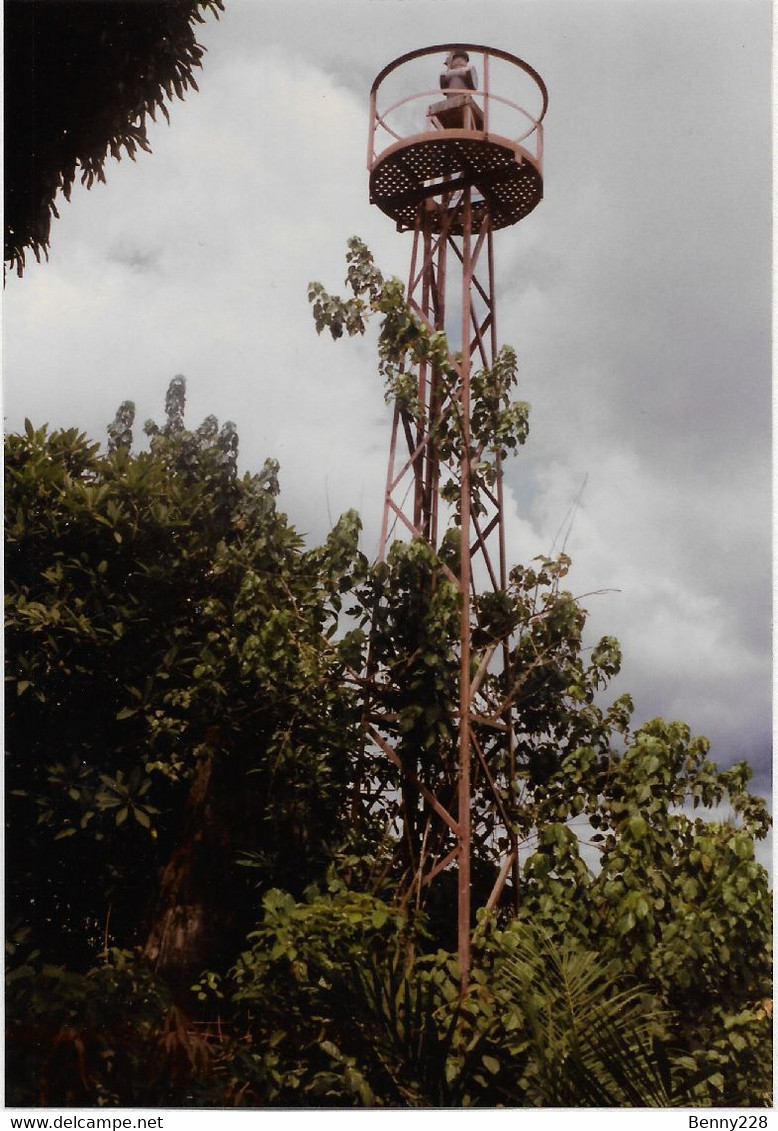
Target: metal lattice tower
(473, 168)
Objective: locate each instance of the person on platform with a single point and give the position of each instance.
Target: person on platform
(459, 75)
(459, 111)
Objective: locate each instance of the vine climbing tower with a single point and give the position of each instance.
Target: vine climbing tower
(455, 154)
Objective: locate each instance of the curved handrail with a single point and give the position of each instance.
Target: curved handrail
(378, 119)
(496, 52)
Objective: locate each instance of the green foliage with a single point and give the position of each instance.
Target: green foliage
(617, 984)
(108, 1036)
(581, 1036)
(677, 901)
(81, 80)
(294, 1049)
(415, 618)
(339, 1011)
(165, 628)
(419, 1043)
(338, 1007)
(497, 424)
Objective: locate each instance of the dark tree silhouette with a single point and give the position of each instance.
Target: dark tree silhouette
(81, 80)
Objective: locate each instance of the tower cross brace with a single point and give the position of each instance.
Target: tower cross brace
(454, 184)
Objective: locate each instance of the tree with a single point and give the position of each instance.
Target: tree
(174, 704)
(80, 81)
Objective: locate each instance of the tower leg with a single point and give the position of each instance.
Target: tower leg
(463, 889)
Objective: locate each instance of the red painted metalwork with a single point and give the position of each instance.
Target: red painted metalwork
(454, 183)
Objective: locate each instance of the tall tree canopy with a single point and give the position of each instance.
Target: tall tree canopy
(174, 687)
(81, 79)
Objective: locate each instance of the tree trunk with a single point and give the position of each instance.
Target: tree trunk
(194, 918)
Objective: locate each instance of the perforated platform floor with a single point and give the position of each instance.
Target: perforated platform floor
(505, 177)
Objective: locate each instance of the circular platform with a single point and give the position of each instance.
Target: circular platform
(428, 167)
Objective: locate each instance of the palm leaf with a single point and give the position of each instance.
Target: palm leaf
(595, 1042)
(413, 1029)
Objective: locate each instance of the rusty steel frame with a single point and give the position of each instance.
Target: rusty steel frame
(452, 263)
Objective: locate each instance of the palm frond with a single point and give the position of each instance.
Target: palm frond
(594, 1041)
(413, 1028)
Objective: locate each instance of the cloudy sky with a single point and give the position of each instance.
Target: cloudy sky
(637, 297)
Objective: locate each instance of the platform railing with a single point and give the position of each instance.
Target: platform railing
(529, 136)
